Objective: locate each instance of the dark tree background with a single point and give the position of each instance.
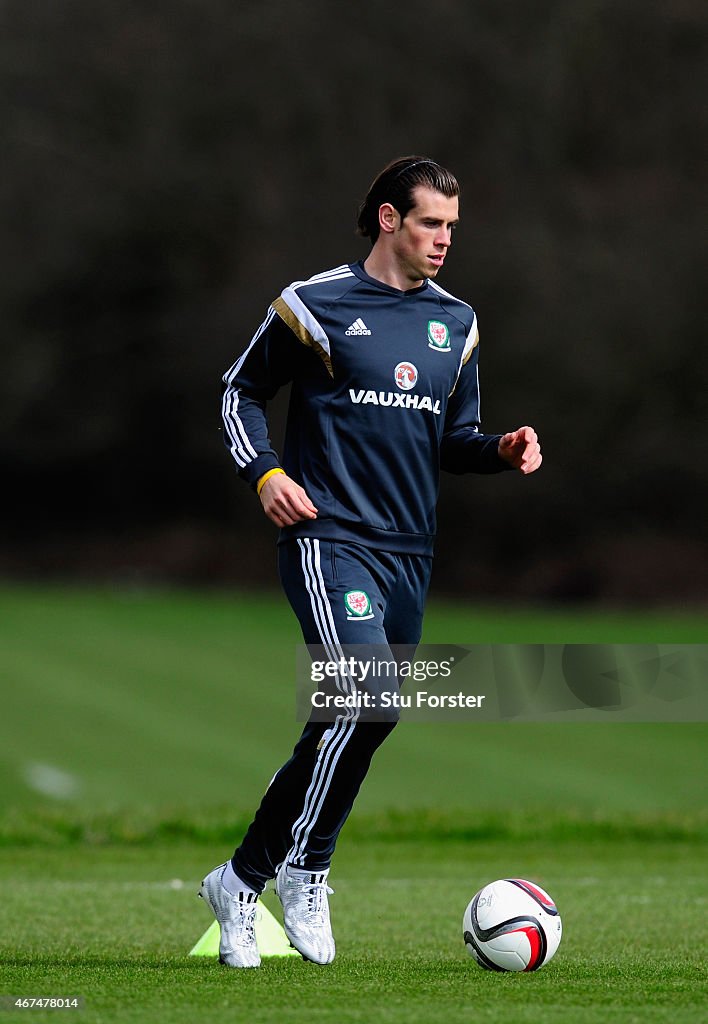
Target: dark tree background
(169, 167)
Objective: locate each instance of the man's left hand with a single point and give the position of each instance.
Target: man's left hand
(520, 448)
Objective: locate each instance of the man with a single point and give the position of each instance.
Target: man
(385, 392)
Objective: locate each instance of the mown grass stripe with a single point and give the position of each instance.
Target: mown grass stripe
(58, 827)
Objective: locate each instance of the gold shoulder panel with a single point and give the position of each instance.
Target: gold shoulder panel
(300, 331)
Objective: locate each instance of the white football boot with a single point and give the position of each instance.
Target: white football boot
(306, 912)
(237, 917)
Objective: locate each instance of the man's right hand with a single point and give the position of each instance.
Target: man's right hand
(285, 502)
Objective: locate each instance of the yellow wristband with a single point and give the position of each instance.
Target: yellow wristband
(267, 476)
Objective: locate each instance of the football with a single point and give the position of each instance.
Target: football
(512, 925)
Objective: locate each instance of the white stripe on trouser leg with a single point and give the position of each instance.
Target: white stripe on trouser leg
(315, 599)
(322, 614)
(353, 713)
(339, 734)
(336, 739)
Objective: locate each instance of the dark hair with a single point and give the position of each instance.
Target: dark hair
(395, 185)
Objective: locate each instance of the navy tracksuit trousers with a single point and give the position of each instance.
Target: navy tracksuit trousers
(311, 796)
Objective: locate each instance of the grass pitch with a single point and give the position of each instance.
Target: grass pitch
(122, 784)
(113, 925)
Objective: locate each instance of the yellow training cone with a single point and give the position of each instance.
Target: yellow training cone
(271, 939)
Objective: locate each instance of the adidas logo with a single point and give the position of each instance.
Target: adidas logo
(358, 327)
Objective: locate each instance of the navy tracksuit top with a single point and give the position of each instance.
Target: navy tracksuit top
(385, 394)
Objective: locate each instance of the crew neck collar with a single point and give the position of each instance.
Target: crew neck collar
(358, 269)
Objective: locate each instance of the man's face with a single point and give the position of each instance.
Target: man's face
(421, 240)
